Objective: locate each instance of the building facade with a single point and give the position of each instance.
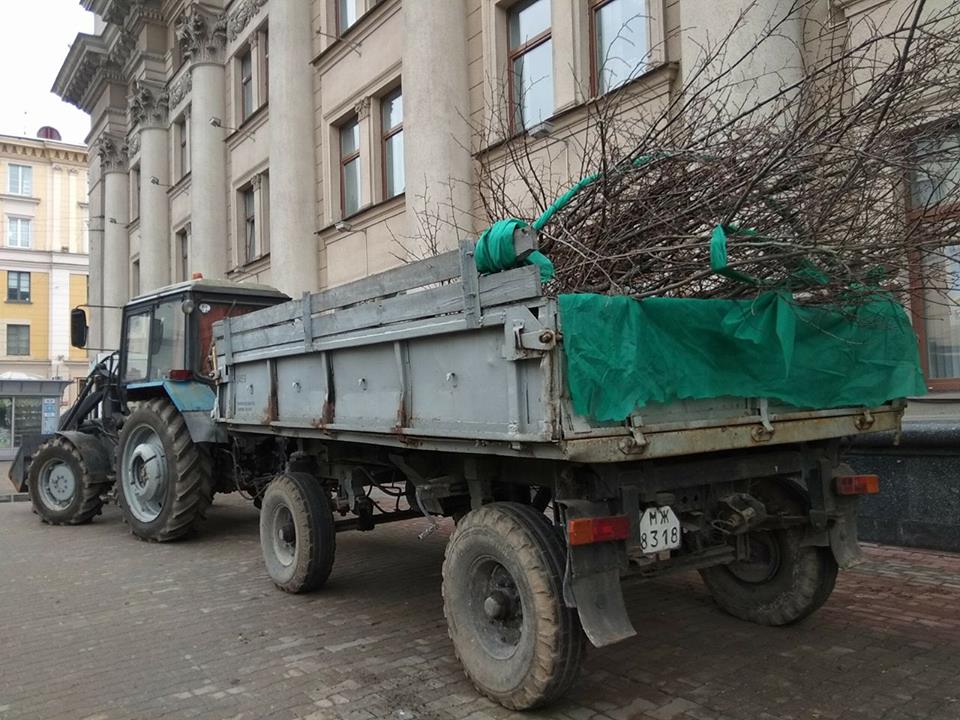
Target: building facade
(306, 143)
(44, 264)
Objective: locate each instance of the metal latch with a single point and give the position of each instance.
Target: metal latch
(637, 443)
(766, 430)
(864, 421)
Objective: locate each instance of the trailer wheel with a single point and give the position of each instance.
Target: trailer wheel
(62, 489)
(297, 534)
(503, 600)
(783, 581)
(165, 483)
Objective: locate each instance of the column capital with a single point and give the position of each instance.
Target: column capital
(112, 152)
(148, 104)
(201, 34)
(362, 108)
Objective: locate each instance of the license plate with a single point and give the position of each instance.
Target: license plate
(659, 530)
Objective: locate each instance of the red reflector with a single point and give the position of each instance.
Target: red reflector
(180, 375)
(858, 485)
(584, 531)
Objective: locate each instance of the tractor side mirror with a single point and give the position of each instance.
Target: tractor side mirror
(156, 335)
(78, 328)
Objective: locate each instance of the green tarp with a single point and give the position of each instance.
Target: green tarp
(622, 354)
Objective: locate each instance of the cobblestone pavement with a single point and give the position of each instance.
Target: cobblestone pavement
(94, 624)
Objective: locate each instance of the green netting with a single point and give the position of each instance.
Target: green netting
(623, 354)
(495, 251)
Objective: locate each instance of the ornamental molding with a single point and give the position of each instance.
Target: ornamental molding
(201, 35)
(245, 11)
(180, 89)
(148, 104)
(133, 144)
(362, 108)
(112, 152)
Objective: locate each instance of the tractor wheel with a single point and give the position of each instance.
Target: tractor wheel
(297, 533)
(503, 600)
(165, 483)
(62, 488)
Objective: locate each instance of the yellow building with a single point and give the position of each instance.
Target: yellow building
(43, 266)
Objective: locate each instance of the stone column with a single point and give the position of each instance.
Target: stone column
(436, 105)
(148, 109)
(202, 38)
(293, 166)
(116, 239)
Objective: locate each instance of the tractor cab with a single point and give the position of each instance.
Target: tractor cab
(167, 335)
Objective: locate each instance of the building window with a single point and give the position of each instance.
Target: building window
(20, 179)
(620, 41)
(135, 193)
(391, 109)
(265, 66)
(933, 195)
(183, 253)
(245, 64)
(135, 278)
(350, 167)
(248, 206)
(18, 232)
(346, 14)
(18, 339)
(18, 286)
(531, 63)
(183, 149)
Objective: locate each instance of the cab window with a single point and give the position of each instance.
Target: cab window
(155, 342)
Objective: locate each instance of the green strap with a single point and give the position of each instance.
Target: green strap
(495, 251)
(718, 254)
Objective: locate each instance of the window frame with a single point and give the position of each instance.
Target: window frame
(244, 83)
(249, 222)
(182, 140)
(386, 136)
(18, 326)
(337, 16)
(21, 221)
(19, 289)
(344, 160)
(938, 212)
(20, 173)
(513, 54)
(594, 7)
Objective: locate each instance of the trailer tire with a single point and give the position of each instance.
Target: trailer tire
(164, 479)
(788, 581)
(503, 600)
(62, 488)
(297, 533)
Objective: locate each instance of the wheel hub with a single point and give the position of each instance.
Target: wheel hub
(763, 561)
(144, 474)
(285, 535)
(58, 485)
(497, 605)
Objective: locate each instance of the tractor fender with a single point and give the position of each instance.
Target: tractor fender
(97, 451)
(195, 401)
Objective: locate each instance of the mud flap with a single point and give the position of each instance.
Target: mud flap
(591, 583)
(843, 533)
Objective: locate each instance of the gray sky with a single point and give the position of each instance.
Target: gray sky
(35, 36)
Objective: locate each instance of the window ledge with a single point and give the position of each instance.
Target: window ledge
(249, 124)
(19, 302)
(20, 198)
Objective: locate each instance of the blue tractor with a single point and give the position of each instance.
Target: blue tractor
(143, 420)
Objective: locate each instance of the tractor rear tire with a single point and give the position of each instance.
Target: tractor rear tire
(164, 479)
(62, 488)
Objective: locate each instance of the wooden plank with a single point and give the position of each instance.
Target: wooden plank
(390, 282)
(284, 312)
(497, 289)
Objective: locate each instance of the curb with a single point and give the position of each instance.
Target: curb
(15, 497)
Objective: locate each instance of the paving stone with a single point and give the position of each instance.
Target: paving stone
(96, 624)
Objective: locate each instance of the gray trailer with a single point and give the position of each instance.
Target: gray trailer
(447, 389)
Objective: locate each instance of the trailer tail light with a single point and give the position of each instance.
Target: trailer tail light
(584, 531)
(858, 485)
(180, 375)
